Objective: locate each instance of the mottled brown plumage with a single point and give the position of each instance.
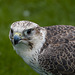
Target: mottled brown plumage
(58, 52)
(48, 50)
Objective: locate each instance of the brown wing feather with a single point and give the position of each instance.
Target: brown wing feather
(58, 52)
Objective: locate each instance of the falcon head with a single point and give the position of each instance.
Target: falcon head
(26, 35)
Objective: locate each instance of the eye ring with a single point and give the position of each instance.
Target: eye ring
(27, 32)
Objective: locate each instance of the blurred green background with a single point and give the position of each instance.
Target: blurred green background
(43, 12)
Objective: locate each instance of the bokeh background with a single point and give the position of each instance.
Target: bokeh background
(43, 12)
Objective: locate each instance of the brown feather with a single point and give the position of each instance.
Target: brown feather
(58, 52)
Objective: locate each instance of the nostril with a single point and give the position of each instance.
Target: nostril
(16, 39)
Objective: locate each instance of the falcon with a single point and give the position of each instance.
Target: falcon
(48, 50)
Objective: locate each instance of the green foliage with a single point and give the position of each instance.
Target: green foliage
(43, 12)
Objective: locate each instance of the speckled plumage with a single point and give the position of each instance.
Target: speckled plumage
(48, 50)
(58, 52)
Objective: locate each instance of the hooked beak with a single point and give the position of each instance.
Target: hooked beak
(16, 38)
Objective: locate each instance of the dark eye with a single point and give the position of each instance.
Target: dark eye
(29, 31)
(12, 32)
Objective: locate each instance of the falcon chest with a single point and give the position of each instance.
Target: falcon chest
(29, 56)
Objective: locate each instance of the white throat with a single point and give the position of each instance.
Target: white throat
(28, 55)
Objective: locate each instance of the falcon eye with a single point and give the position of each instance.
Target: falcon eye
(12, 32)
(29, 31)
